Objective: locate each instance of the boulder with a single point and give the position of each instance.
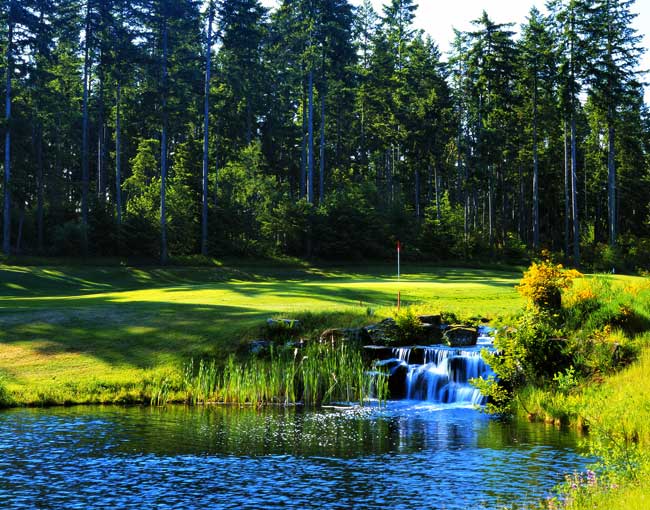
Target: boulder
(383, 333)
(397, 382)
(259, 347)
(430, 334)
(397, 372)
(458, 335)
(417, 356)
(377, 352)
(433, 320)
(336, 336)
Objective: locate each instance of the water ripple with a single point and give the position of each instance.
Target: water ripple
(405, 456)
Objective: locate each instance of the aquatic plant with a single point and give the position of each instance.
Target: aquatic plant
(160, 391)
(315, 375)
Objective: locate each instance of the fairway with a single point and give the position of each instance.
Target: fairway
(111, 327)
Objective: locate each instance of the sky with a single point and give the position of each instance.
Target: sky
(438, 18)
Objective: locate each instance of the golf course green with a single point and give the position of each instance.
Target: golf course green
(73, 334)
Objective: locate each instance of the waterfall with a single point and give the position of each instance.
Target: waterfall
(444, 375)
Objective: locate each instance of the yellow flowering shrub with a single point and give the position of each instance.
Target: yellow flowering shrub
(544, 282)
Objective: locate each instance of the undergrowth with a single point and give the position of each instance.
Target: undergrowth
(597, 381)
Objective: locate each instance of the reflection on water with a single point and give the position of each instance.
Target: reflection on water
(408, 455)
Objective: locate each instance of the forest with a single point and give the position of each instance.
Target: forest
(169, 128)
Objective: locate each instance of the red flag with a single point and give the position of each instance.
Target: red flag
(398, 246)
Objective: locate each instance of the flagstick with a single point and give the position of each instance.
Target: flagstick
(399, 294)
(398, 261)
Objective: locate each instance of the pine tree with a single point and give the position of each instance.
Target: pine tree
(206, 129)
(613, 72)
(538, 66)
(491, 62)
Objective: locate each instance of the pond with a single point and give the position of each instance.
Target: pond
(408, 454)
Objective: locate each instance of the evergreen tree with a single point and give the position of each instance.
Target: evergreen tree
(538, 73)
(613, 77)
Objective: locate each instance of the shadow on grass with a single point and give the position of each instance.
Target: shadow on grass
(144, 334)
(87, 311)
(71, 281)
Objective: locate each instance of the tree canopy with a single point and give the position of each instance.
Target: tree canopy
(158, 127)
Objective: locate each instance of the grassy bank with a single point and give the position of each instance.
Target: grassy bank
(616, 412)
(111, 334)
(604, 391)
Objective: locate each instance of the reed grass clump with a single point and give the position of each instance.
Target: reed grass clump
(316, 375)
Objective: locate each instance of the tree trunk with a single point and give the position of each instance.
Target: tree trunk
(567, 201)
(574, 193)
(40, 188)
(303, 154)
(535, 174)
(429, 185)
(364, 150)
(206, 133)
(611, 180)
(522, 224)
(437, 190)
(84, 134)
(163, 154)
(321, 189)
(417, 194)
(101, 185)
(216, 168)
(118, 156)
(491, 211)
(310, 171)
(6, 226)
(21, 223)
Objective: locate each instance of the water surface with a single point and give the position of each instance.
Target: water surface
(407, 455)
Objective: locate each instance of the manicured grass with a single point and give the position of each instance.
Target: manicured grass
(87, 333)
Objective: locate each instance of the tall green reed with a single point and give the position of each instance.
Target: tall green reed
(316, 375)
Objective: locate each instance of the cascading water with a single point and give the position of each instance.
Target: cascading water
(436, 373)
(445, 374)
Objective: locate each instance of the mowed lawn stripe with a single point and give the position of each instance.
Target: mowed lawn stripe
(61, 325)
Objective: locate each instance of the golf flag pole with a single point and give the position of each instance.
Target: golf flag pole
(398, 261)
(399, 294)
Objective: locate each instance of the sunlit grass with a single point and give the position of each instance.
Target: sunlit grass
(66, 327)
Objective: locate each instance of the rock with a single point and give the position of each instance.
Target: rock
(397, 382)
(259, 347)
(383, 333)
(433, 320)
(336, 336)
(431, 334)
(458, 335)
(417, 356)
(397, 372)
(377, 352)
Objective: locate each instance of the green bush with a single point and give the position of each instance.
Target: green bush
(68, 239)
(409, 326)
(526, 354)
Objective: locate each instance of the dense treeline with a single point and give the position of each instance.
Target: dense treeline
(175, 127)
